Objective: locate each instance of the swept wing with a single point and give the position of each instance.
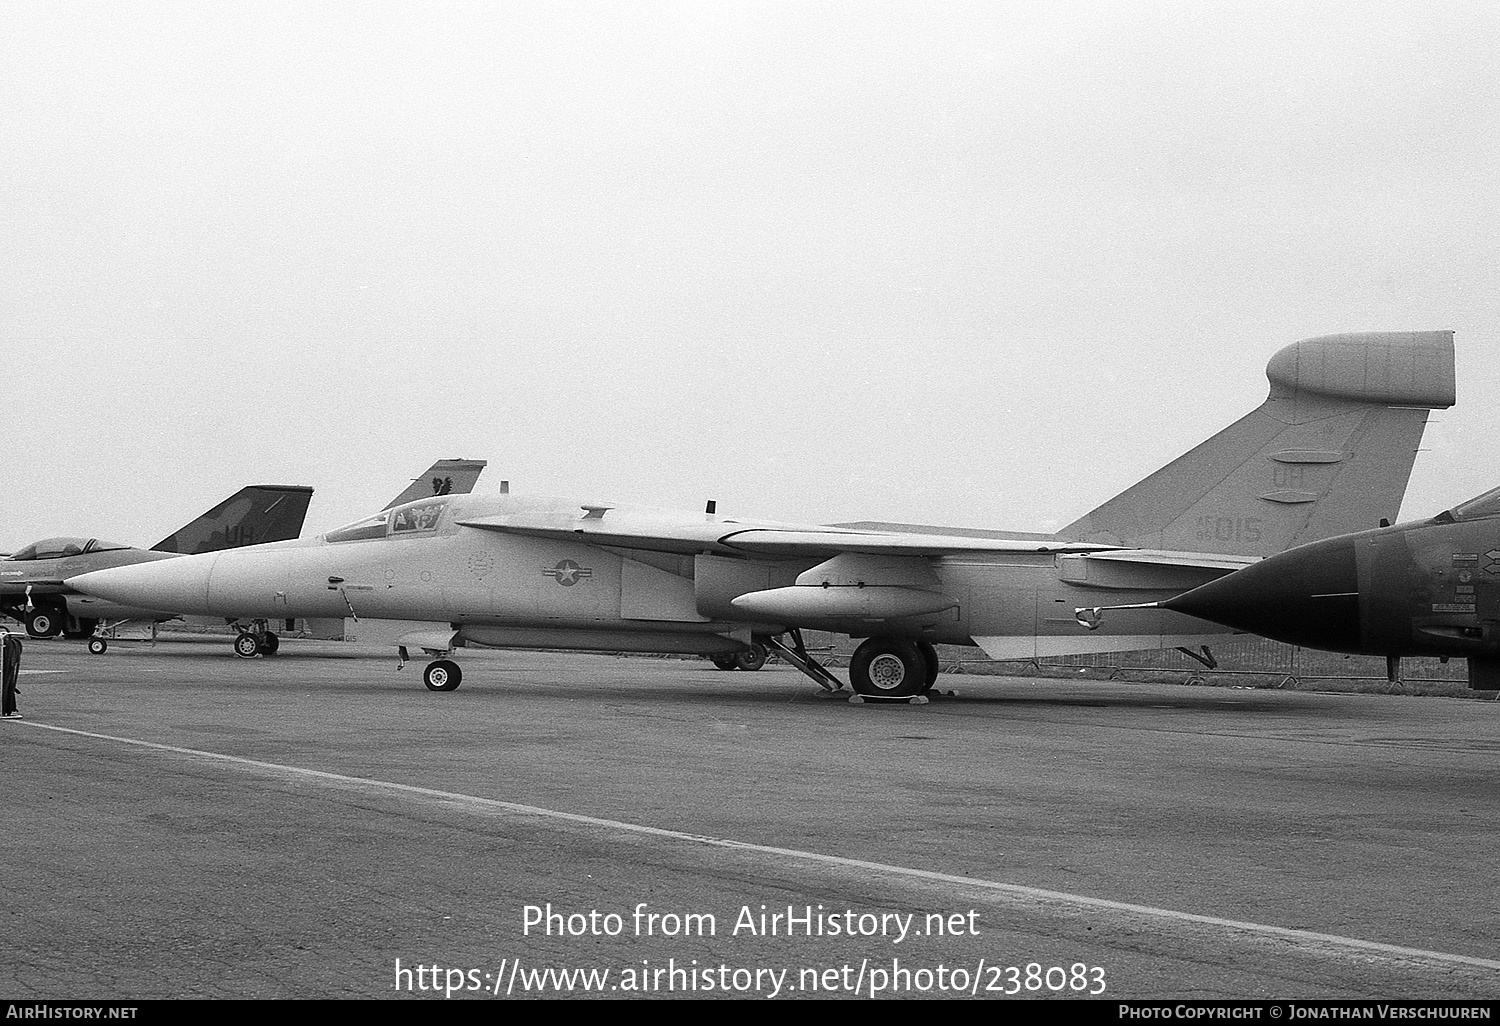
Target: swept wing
(669, 532)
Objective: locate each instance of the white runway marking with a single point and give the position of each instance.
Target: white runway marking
(1081, 900)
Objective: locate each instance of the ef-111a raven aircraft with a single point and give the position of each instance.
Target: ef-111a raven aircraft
(1427, 588)
(1331, 447)
(32, 587)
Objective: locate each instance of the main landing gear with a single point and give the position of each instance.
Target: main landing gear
(888, 667)
(882, 667)
(44, 623)
(443, 675)
(54, 621)
(257, 640)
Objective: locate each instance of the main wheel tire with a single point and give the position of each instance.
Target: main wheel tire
(271, 644)
(752, 659)
(888, 668)
(930, 657)
(43, 623)
(443, 675)
(247, 646)
(726, 662)
(98, 646)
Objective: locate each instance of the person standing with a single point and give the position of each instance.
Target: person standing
(10, 669)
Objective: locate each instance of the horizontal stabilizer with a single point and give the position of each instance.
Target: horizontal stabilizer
(1147, 569)
(1209, 561)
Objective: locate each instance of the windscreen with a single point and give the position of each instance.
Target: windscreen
(360, 530)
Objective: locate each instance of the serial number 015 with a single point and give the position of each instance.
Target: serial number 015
(1034, 977)
(1229, 529)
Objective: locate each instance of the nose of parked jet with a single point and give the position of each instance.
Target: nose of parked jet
(179, 585)
(1306, 596)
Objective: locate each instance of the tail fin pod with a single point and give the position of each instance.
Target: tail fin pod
(1328, 452)
(252, 515)
(445, 477)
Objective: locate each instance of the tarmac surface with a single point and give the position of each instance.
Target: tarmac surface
(182, 823)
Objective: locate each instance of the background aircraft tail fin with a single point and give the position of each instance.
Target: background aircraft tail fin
(1328, 452)
(445, 477)
(252, 515)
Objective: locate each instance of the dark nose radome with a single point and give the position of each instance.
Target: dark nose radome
(1307, 596)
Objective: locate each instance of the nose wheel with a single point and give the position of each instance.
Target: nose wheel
(251, 643)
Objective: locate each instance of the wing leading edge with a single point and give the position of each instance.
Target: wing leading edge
(600, 525)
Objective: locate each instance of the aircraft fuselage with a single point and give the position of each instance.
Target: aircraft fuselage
(572, 593)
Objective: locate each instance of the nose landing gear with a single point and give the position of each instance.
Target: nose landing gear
(257, 640)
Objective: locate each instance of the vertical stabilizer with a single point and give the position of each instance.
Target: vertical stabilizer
(1329, 452)
(445, 477)
(252, 515)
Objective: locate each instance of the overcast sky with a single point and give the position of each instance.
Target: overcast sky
(974, 264)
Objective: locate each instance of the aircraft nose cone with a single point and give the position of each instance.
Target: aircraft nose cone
(1307, 596)
(179, 585)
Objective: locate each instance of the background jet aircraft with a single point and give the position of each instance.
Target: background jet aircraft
(1429, 588)
(1332, 446)
(31, 579)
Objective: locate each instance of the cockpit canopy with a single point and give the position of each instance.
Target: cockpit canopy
(57, 548)
(1486, 505)
(419, 517)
